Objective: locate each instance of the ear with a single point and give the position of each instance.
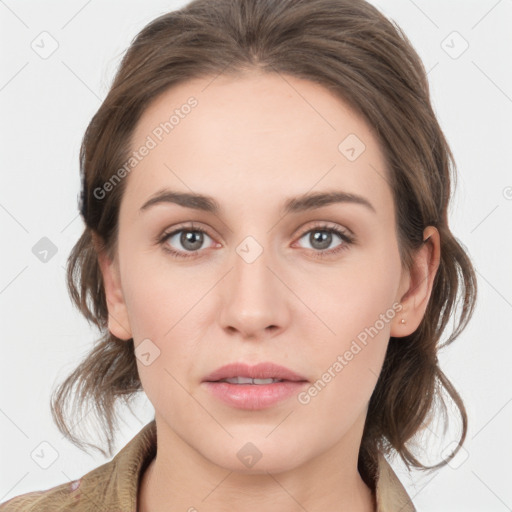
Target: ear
(118, 323)
(416, 284)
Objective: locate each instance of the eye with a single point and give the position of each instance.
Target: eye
(190, 238)
(321, 237)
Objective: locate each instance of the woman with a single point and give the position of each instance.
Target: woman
(267, 251)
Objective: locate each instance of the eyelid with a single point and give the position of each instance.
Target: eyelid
(188, 226)
(326, 224)
(346, 235)
(319, 224)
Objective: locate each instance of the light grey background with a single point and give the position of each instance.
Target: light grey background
(46, 104)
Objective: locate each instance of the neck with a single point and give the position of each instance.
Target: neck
(179, 478)
(270, 495)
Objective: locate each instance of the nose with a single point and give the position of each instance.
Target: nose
(254, 296)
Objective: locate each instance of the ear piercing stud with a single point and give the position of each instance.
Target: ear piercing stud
(403, 319)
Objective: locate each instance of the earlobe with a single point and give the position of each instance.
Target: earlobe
(420, 283)
(118, 323)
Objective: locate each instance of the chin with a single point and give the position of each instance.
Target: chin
(254, 455)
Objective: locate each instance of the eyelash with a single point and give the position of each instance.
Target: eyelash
(347, 239)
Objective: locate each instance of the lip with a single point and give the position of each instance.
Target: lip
(254, 396)
(265, 370)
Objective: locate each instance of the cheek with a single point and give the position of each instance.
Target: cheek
(165, 306)
(347, 366)
(356, 310)
(354, 297)
(157, 293)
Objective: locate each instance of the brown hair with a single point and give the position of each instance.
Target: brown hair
(353, 50)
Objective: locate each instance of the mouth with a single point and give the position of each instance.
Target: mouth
(260, 374)
(248, 380)
(253, 387)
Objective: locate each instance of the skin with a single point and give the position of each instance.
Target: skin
(253, 141)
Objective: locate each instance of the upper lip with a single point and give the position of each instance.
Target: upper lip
(258, 371)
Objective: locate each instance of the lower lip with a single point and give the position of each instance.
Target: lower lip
(254, 396)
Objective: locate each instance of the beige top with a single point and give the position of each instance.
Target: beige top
(113, 487)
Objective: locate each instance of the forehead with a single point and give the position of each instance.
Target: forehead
(254, 137)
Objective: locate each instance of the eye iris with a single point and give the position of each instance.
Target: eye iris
(193, 237)
(324, 237)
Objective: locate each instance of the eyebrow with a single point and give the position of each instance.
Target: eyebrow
(305, 202)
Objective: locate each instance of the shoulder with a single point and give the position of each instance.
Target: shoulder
(86, 494)
(391, 494)
(111, 486)
(59, 498)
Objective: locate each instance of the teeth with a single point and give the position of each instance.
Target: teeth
(265, 381)
(240, 380)
(248, 380)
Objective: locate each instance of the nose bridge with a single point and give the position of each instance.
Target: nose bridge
(251, 274)
(253, 296)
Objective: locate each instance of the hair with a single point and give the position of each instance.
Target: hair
(352, 49)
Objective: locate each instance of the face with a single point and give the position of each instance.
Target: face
(315, 290)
